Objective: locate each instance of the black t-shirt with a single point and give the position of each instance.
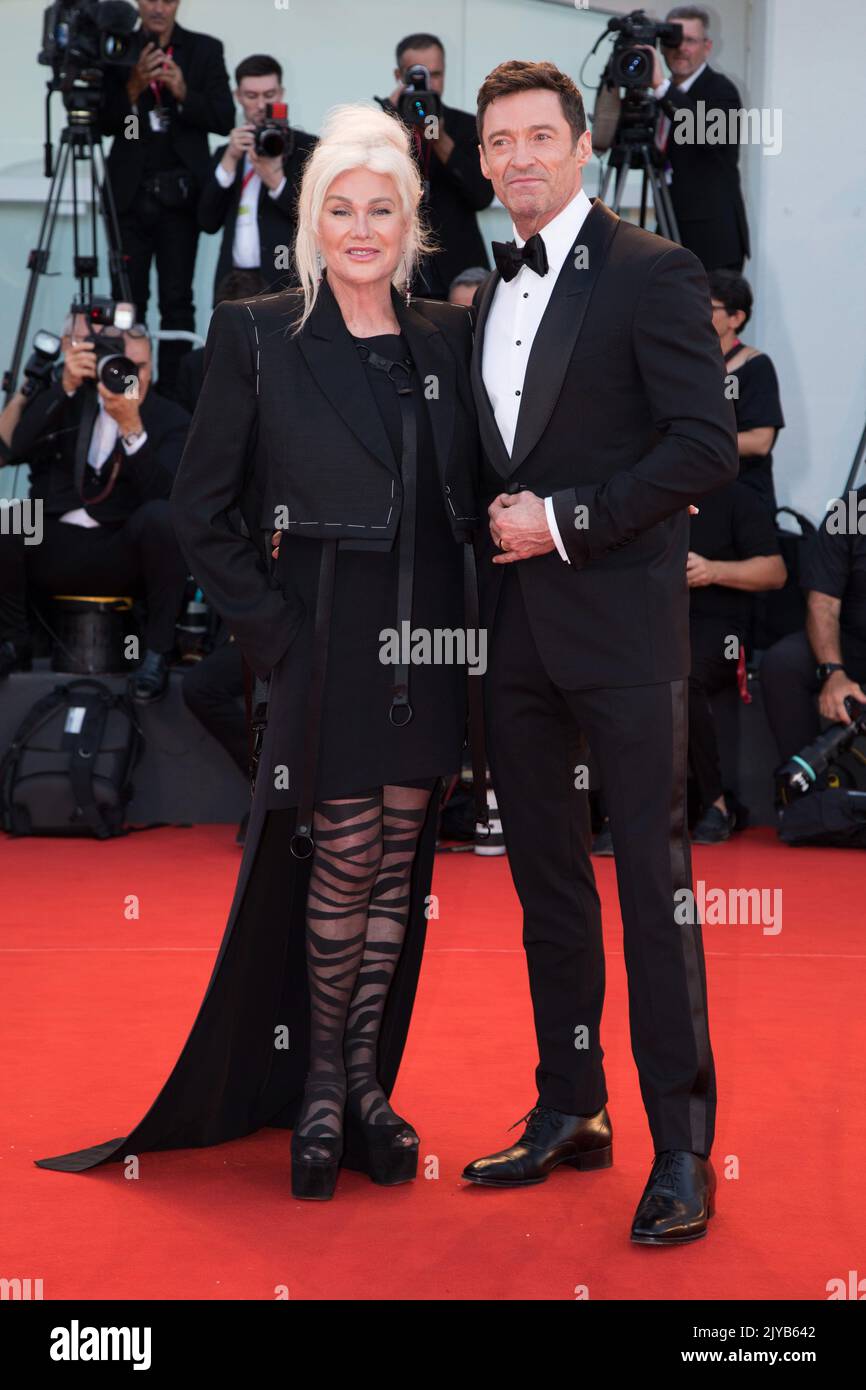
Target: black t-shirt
(757, 406)
(835, 564)
(732, 524)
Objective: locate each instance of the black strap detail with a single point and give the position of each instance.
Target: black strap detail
(475, 695)
(87, 745)
(302, 843)
(400, 374)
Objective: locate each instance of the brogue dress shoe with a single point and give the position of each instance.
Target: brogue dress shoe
(551, 1138)
(677, 1201)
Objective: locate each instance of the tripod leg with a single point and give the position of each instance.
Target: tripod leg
(111, 223)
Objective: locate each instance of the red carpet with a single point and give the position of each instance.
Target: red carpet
(96, 1007)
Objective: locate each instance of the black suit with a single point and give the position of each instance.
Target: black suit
(276, 217)
(458, 190)
(624, 423)
(705, 187)
(148, 228)
(287, 429)
(132, 551)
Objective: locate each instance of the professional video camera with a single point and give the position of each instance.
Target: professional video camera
(417, 103)
(273, 138)
(80, 38)
(629, 65)
(110, 320)
(807, 769)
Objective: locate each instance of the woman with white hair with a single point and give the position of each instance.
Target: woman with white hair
(341, 414)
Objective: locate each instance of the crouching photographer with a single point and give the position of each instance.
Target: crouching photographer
(103, 451)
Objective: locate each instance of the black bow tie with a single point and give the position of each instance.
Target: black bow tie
(509, 257)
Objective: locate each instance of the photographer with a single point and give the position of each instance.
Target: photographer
(176, 93)
(704, 177)
(112, 531)
(829, 658)
(448, 157)
(249, 194)
(756, 403)
(733, 553)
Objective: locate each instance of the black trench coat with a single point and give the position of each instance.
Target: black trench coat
(231, 1078)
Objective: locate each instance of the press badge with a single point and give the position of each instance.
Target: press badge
(74, 719)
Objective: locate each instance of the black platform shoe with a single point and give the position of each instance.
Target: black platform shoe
(550, 1139)
(677, 1201)
(386, 1153)
(313, 1177)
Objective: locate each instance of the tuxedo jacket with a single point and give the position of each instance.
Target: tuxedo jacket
(209, 106)
(705, 184)
(287, 431)
(624, 421)
(277, 217)
(46, 438)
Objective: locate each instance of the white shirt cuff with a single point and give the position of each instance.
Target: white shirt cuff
(223, 179)
(275, 192)
(136, 445)
(554, 529)
(662, 89)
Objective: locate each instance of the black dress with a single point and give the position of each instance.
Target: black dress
(230, 1078)
(360, 747)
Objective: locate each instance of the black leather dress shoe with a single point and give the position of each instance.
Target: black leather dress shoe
(677, 1201)
(550, 1138)
(713, 828)
(14, 658)
(148, 683)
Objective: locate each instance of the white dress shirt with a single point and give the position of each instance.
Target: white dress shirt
(102, 443)
(515, 314)
(246, 249)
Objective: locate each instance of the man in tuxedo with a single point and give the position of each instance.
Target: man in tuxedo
(455, 188)
(160, 114)
(102, 465)
(252, 197)
(599, 385)
(705, 178)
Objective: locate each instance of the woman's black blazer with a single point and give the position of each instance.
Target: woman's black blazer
(288, 431)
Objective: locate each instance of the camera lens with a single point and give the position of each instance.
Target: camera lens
(271, 142)
(114, 372)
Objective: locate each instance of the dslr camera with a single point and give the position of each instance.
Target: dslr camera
(110, 320)
(417, 103)
(273, 138)
(39, 367)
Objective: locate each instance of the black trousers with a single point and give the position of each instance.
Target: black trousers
(148, 231)
(140, 558)
(536, 747)
(790, 685)
(212, 689)
(711, 671)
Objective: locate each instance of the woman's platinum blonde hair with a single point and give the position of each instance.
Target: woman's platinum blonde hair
(358, 137)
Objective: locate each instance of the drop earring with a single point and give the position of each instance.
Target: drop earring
(319, 265)
(407, 292)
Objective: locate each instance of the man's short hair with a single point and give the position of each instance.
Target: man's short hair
(240, 284)
(418, 41)
(733, 290)
(474, 275)
(258, 65)
(519, 76)
(689, 12)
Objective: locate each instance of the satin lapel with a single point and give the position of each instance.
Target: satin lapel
(488, 428)
(559, 329)
(436, 376)
(336, 364)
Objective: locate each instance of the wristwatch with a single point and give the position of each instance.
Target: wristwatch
(129, 440)
(827, 668)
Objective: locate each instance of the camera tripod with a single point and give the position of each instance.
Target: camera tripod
(80, 144)
(634, 147)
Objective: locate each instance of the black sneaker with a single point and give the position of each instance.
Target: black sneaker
(713, 828)
(14, 658)
(149, 682)
(603, 842)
